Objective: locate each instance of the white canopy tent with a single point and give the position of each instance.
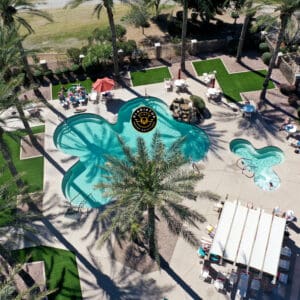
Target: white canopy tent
(250, 237)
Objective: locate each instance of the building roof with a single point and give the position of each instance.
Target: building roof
(250, 237)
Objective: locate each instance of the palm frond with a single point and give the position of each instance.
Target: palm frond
(185, 213)
(75, 3)
(98, 9)
(209, 195)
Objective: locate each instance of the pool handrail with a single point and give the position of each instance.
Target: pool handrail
(245, 167)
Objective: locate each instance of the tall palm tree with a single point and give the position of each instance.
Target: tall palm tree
(183, 34)
(145, 184)
(285, 8)
(108, 5)
(249, 14)
(11, 17)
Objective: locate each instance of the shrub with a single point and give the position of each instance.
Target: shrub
(179, 15)
(58, 72)
(65, 70)
(198, 102)
(74, 68)
(48, 73)
(287, 89)
(266, 57)
(128, 47)
(293, 100)
(234, 15)
(232, 46)
(74, 53)
(174, 28)
(104, 34)
(38, 73)
(194, 16)
(263, 47)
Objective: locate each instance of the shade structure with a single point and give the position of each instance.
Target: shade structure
(103, 85)
(250, 237)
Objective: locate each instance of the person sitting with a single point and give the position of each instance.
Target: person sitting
(61, 97)
(73, 100)
(287, 121)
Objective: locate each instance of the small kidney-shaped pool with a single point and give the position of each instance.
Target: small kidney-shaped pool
(258, 163)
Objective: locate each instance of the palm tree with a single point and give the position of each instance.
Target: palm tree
(144, 185)
(286, 8)
(248, 17)
(10, 17)
(183, 33)
(16, 222)
(108, 4)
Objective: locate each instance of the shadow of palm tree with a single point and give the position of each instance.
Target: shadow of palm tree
(166, 267)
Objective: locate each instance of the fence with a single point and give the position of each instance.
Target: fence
(287, 63)
(167, 51)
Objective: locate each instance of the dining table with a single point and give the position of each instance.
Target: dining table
(248, 108)
(290, 128)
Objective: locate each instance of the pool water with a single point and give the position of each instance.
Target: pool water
(260, 162)
(90, 137)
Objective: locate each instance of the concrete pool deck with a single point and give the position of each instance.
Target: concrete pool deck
(104, 278)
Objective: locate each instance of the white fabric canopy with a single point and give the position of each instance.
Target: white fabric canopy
(250, 237)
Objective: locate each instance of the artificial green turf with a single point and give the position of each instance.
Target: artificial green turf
(150, 76)
(57, 88)
(30, 169)
(60, 268)
(233, 84)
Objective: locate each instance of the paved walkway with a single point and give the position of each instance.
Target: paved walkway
(104, 278)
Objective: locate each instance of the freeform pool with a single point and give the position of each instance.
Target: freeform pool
(259, 162)
(90, 137)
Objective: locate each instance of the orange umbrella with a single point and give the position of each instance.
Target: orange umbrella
(103, 85)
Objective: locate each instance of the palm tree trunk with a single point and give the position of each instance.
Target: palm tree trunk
(25, 62)
(242, 37)
(183, 34)
(151, 231)
(284, 20)
(113, 39)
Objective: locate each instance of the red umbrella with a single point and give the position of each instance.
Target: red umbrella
(103, 85)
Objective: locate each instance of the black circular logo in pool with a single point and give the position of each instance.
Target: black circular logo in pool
(144, 119)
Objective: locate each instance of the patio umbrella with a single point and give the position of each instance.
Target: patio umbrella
(103, 85)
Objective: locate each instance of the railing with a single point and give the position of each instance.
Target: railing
(246, 167)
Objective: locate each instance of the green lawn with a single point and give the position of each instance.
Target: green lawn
(31, 169)
(86, 83)
(232, 84)
(60, 268)
(150, 76)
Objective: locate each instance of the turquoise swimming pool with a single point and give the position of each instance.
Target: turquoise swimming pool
(90, 137)
(259, 162)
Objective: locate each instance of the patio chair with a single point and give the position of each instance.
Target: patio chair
(233, 278)
(255, 287)
(283, 278)
(286, 251)
(220, 282)
(205, 275)
(168, 84)
(93, 96)
(284, 264)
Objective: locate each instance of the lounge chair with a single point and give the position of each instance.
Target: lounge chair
(168, 85)
(93, 96)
